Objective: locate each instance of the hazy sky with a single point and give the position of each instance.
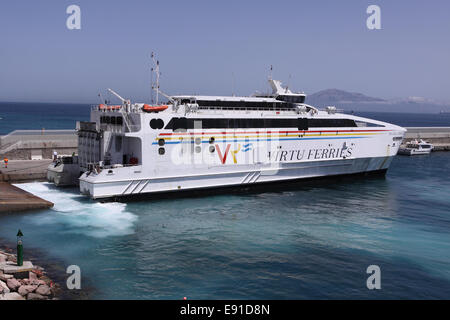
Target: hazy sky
(201, 44)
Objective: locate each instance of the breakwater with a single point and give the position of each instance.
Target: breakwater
(438, 136)
(28, 282)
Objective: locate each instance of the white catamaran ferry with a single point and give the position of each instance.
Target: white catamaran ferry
(203, 142)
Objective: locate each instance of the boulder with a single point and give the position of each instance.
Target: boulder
(24, 290)
(3, 257)
(13, 284)
(5, 277)
(43, 290)
(4, 287)
(12, 296)
(35, 296)
(32, 276)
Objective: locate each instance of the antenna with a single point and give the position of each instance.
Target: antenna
(151, 82)
(289, 83)
(101, 99)
(270, 74)
(232, 83)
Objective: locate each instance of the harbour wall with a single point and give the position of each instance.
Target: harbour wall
(39, 145)
(438, 136)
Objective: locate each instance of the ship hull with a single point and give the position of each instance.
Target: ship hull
(275, 186)
(282, 174)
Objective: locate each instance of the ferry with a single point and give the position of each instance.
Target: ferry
(416, 147)
(196, 142)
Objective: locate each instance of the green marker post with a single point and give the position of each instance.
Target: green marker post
(19, 249)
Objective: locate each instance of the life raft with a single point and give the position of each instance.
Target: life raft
(106, 107)
(149, 108)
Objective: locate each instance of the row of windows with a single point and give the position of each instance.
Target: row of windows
(111, 120)
(331, 123)
(244, 104)
(293, 99)
(217, 123)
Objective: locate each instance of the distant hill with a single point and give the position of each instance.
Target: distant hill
(336, 95)
(359, 102)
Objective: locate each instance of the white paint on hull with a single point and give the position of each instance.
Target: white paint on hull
(286, 172)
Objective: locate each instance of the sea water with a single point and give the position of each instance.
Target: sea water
(312, 241)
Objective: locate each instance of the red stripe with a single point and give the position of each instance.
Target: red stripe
(258, 132)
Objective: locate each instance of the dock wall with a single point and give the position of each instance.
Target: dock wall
(23, 144)
(38, 144)
(438, 136)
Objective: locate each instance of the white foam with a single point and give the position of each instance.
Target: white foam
(77, 214)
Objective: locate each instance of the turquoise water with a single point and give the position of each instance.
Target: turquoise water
(314, 241)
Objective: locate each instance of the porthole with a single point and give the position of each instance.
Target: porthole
(211, 140)
(198, 140)
(156, 124)
(161, 142)
(212, 149)
(198, 149)
(161, 151)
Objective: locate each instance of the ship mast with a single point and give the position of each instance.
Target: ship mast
(157, 73)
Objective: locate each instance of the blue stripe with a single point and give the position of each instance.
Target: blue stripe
(236, 140)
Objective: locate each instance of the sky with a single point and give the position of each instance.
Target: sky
(222, 47)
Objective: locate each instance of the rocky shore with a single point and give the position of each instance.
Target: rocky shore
(32, 284)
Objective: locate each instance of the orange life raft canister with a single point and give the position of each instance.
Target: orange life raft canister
(148, 108)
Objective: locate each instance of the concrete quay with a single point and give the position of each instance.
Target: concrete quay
(24, 170)
(14, 199)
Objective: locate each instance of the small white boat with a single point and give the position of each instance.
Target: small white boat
(416, 147)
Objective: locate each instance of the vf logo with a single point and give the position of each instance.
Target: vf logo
(74, 20)
(374, 20)
(374, 280)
